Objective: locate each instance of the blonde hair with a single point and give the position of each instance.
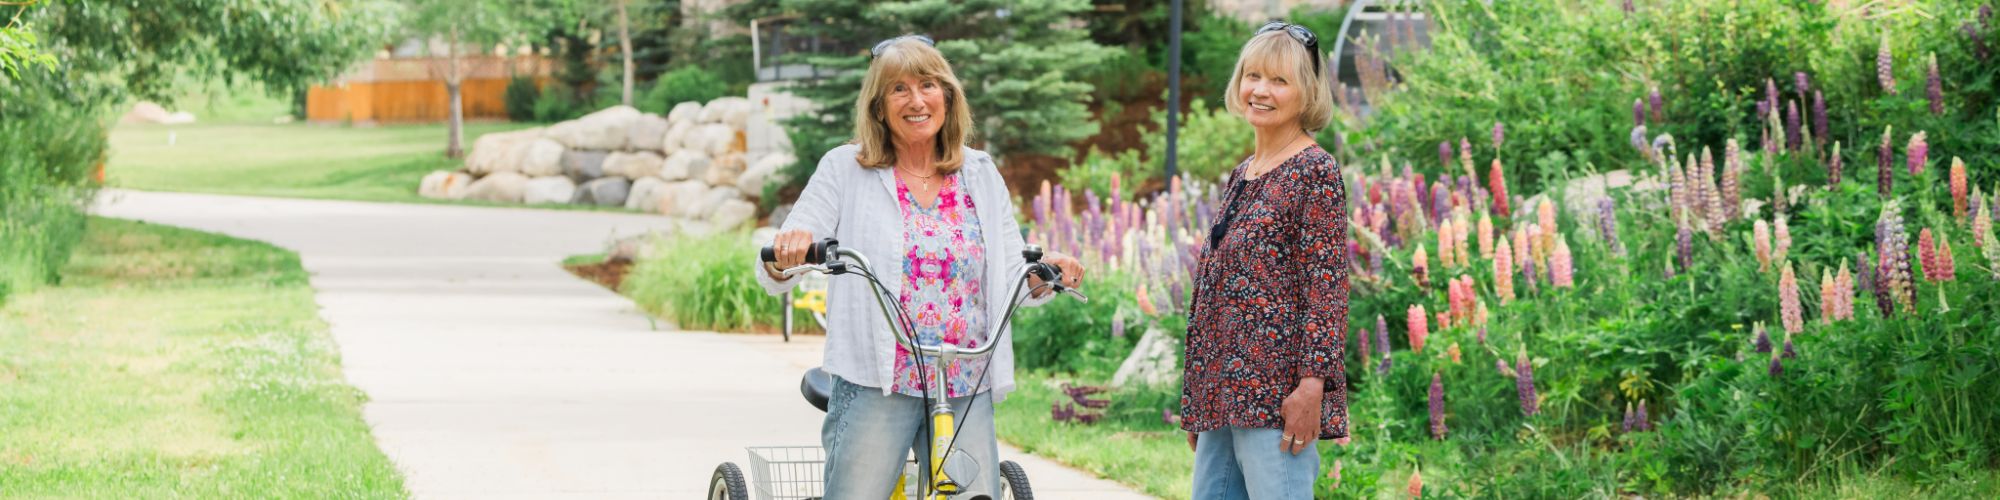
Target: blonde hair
(1277, 54)
(871, 130)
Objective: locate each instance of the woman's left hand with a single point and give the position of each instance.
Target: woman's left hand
(1072, 271)
(1301, 412)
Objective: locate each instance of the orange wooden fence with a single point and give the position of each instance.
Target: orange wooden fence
(405, 91)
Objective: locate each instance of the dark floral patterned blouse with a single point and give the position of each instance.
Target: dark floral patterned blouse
(1270, 300)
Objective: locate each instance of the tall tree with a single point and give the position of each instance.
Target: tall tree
(625, 49)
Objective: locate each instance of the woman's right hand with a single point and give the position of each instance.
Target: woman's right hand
(790, 246)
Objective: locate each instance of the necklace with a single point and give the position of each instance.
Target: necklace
(926, 178)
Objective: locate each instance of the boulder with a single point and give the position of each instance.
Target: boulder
(705, 204)
(645, 194)
(731, 111)
(444, 185)
(725, 170)
(555, 189)
(605, 192)
(686, 164)
(1154, 361)
(763, 172)
(683, 199)
(583, 165)
(732, 213)
(646, 132)
(633, 165)
(503, 187)
(686, 112)
(676, 137)
(715, 139)
(778, 215)
(605, 129)
(541, 158)
(499, 151)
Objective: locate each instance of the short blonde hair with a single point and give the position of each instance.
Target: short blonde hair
(903, 58)
(1276, 53)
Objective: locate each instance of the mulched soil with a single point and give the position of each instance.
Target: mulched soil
(609, 273)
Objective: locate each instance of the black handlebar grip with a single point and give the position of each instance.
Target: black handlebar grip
(817, 254)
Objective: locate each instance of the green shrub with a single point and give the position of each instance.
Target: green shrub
(558, 102)
(54, 146)
(704, 282)
(520, 99)
(689, 83)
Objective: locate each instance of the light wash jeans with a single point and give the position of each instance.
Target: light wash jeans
(1234, 463)
(869, 436)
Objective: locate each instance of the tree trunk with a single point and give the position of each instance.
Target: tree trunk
(625, 46)
(453, 82)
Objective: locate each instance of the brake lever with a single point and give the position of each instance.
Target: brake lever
(1075, 293)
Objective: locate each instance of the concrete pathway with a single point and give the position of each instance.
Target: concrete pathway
(492, 373)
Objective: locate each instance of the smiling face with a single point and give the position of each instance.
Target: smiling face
(1270, 97)
(914, 108)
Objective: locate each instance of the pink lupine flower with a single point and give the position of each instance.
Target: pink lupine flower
(1760, 238)
(1505, 370)
(1416, 486)
(1958, 186)
(1833, 168)
(1444, 241)
(1437, 406)
(1463, 230)
(1732, 191)
(1521, 249)
(1419, 327)
(1335, 473)
(1145, 304)
(1947, 269)
(1503, 272)
(1497, 180)
(1479, 317)
(1499, 135)
(1454, 352)
(1420, 267)
(1788, 301)
(1546, 215)
(1677, 189)
(1918, 152)
(1465, 155)
(1829, 298)
(1927, 254)
(1485, 236)
(1843, 289)
(1560, 266)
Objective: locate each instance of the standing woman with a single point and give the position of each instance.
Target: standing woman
(1264, 378)
(937, 217)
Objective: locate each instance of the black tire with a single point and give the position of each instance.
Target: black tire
(1017, 481)
(728, 484)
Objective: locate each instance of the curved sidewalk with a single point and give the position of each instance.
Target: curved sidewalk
(492, 373)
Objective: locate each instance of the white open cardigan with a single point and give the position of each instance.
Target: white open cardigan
(858, 206)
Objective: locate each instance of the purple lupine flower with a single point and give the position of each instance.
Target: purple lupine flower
(1638, 112)
(1884, 178)
(1367, 346)
(1628, 418)
(1607, 225)
(1867, 271)
(1444, 153)
(1658, 104)
(1777, 367)
(1645, 424)
(1885, 66)
(1382, 335)
(1802, 82)
(1524, 384)
(1985, 14)
(1819, 120)
(1177, 295)
(1763, 110)
(1934, 87)
(1789, 352)
(1628, 7)
(1375, 263)
(1528, 275)
(1437, 406)
(1440, 202)
(1833, 169)
(1638, 139)
(1499, 135)
(1793, 140)
(1505, 371)
(1978, 41)
(1684, 246)
(1168, 417)
(1382, 370)
(1117, 327)
(1771, 94)
(1763, 340)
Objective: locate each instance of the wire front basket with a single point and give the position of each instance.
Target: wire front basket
(798, 473)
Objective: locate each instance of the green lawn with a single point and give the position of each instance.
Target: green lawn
(285, 160)
(174, 363)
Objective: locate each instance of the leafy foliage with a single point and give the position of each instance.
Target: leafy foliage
(682, 85)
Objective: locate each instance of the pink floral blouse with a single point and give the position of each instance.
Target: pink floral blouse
(942, 270)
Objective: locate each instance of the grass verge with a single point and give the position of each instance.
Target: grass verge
(174, 363)
(290, 160)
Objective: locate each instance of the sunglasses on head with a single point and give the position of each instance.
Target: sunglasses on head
(1304, 36)
(884, 45)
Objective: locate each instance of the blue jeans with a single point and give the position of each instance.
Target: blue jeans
(868, 437)
(1234, 463)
